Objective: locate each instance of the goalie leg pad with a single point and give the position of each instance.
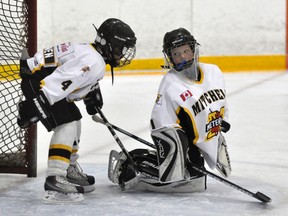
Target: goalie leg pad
(120, 171)
(172, 146)
(181, 186)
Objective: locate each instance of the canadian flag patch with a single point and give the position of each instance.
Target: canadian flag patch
(185, 95)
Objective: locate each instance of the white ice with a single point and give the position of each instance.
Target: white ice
(258, 144)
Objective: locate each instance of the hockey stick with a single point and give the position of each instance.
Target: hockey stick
(110, 128)
(258, 195)
(99, 120)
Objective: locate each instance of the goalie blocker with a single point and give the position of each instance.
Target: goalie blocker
(163, 170)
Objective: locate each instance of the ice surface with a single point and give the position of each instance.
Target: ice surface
(257, 142)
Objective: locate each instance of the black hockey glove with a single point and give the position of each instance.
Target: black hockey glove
(93, 99)
(25, 71)
(30, 87)
(27, 114)
(33, 110)
(225, 126)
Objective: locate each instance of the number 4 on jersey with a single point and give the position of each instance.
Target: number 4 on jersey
(66, 84)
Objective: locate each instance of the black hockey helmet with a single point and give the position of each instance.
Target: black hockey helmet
(177, 38)
(116, 41)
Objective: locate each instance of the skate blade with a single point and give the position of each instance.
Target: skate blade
(54, 197)
(89, 188)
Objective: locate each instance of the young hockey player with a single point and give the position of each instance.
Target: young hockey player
(188, 118)
(56, 77)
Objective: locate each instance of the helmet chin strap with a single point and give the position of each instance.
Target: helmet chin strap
(179, 66)
(190, 72)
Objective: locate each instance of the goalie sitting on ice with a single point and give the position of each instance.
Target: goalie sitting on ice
(187, 122)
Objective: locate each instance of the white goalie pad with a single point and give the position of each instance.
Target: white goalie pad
(171, 152)
(182, 186)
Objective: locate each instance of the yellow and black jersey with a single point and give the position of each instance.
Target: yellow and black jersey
(68, 70)
(198, 107)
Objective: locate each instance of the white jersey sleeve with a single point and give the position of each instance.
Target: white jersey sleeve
(78, 67)
(197, 107)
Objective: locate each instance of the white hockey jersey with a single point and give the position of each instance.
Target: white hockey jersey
(197, 107)
(79, 68)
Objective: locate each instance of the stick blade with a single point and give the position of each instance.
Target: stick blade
(262, 197)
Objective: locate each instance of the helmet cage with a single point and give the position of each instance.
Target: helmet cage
(116, 40)
(168, 53)
(121, 53)
(189, 69)
(128, 54)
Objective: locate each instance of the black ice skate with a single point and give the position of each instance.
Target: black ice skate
(75, 175)
(59, 190)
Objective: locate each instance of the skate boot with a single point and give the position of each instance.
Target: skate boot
(75, 175)
(59, 190)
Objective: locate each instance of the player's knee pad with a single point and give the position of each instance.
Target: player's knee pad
(60, 149)
(172, 146)
(65, 133)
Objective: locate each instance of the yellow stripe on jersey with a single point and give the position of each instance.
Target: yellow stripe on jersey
(187, 122)
(42, 83)
(201, 76)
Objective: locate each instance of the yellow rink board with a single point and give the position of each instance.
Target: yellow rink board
(153, 65)
(225, 63)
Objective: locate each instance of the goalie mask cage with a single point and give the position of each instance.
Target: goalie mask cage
(18, 29)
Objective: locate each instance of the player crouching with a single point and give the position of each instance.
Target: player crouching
(188, 118)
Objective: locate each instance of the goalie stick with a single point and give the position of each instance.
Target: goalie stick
(258, 195)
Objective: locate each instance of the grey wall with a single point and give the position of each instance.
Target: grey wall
(222, 27)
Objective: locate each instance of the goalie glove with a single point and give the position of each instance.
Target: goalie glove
(225, 126)
(93, 99)
(223, 160)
